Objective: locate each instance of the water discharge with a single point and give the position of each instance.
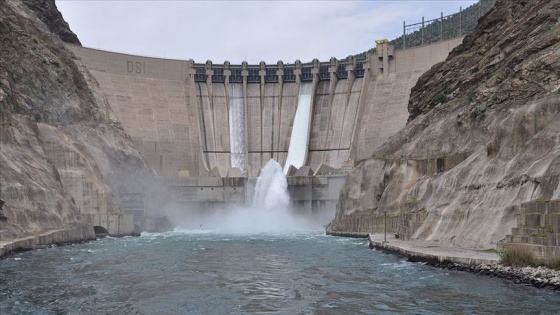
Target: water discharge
(237, 128)
(297, 151)
(269, 212)
(271, 190)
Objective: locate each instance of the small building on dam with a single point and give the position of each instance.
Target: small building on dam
(207, 129)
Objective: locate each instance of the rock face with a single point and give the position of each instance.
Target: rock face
(63, 153)
(483, 136)
(48, 13)
(511, 57)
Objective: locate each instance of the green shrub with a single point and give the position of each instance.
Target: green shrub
(542, 199)
(440, 98)
(517, 256)
(412, 200)
(553, 263)
(478, 114)
(520, 256)
(471, 94)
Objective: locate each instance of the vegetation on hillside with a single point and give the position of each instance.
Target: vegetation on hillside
(454, 25)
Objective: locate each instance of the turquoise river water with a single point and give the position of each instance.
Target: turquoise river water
(215, 273)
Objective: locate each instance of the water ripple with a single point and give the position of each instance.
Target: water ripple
(204, 272)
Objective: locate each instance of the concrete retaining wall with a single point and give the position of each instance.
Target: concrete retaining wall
(538, 229)
(78, 233)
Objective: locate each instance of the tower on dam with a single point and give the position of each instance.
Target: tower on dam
(207, 129)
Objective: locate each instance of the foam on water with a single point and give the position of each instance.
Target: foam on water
(271, 190)
(269, 212)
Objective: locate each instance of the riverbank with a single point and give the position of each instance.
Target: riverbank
(480, 262)
(75, 234)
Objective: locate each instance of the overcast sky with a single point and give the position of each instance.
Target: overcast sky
(244, 30)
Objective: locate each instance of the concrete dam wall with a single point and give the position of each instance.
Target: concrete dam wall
(226, 120)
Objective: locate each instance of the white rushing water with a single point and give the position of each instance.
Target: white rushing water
(297, 150)
(269, 212)
(270, 209)
(237, 127)
(271, 190)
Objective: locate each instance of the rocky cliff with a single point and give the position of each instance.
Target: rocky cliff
(483, 138)
(63, 154)
(48, 13)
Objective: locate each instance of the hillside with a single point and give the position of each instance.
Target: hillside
(63, 154)
(482, 139)
(464, 21)
(454, 25)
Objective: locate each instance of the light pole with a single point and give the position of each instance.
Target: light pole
(385, 222)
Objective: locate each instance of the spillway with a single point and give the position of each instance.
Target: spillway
(297, 151)
(237, 128)
(199, 120)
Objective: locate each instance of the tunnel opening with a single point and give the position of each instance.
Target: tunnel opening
(100, 231)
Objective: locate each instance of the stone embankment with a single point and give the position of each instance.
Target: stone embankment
(481, 262)
(540, 277)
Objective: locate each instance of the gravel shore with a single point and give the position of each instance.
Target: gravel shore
(540, 277)
(485, 263)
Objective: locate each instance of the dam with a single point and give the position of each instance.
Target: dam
(207, 129)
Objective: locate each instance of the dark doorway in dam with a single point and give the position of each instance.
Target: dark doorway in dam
(100, 231)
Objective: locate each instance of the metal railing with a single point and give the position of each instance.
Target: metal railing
(442, 28)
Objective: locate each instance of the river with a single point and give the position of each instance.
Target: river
(205, 272)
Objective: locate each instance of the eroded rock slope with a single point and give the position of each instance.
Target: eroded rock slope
(62, 152)
(483, 137)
